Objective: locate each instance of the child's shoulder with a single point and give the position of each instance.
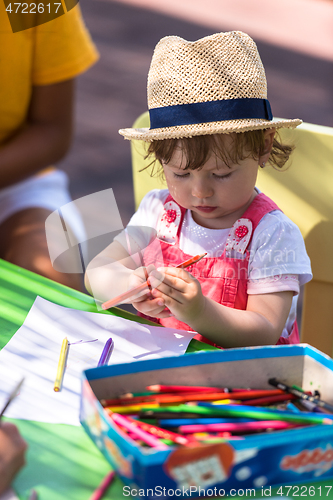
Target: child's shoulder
(277, 220)
(155, 196)
(277, 229)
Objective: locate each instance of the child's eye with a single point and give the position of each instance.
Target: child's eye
(181, 176)
(222, 177)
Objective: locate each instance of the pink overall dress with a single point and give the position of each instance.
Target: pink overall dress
(223, 279)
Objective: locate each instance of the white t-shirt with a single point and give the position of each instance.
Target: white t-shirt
(278, 259)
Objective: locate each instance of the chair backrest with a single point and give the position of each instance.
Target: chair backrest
(305, 194)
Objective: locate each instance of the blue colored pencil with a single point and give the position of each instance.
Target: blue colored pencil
(176, 422)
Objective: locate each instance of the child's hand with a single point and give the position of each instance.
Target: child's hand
(180, 291)
(144, 302)
(12, 453)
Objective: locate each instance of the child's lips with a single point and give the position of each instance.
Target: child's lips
(206, 209)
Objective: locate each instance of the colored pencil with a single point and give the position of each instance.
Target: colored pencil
(124, 296)
(201, 396)
(159, 432)
(140, 433)
(130, 409)
(245, 411)
(193, 388)
(131, 395)
(145, 286)
(239, 427)
(310, 406)
(174, 422)
(99, 492)
(11, 397)
(185, 388)
(150, 414)
(301, 394)
(292, 407)
(106, 353)
(33, 495)
(61, 365)
(192, 260)
(269, 400)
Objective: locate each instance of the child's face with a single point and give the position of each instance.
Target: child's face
(217, 194)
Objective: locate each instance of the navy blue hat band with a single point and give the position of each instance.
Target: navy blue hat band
(211, 111)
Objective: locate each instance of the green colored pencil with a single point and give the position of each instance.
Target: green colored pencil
(244, 411)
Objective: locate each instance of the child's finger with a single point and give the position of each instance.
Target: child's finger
(140, 297)
(155, 278)
(169, 285)
(169, 295)
(176, 272)
(164, 314)
(151, 307)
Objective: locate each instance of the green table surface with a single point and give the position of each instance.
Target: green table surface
(62, 461)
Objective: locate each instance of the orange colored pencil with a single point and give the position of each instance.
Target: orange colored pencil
(127, 295)
(192, 260)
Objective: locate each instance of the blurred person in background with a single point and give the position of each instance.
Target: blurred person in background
(38, 67)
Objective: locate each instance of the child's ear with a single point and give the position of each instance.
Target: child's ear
(269, 138)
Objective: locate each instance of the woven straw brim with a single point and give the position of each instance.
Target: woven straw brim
(224, 127)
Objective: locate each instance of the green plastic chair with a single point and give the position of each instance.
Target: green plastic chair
(305, 194)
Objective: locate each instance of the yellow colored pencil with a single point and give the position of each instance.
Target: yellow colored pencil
(123, 410)
(61, 365)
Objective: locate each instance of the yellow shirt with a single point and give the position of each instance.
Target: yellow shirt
(50, 53)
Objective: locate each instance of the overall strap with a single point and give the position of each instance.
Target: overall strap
(260, 206)
(182, 210)
(170, 221)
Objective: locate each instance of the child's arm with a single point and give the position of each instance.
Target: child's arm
(113, 272)
(108, 274)
(261, 323)
(44, 138)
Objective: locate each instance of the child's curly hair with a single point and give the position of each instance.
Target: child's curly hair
(197, 150)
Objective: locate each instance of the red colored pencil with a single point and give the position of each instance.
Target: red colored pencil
(127, 295)
(183, 397)
(269, 400)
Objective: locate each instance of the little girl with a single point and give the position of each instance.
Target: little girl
(211, 127)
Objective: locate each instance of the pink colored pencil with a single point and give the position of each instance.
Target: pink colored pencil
(140, 433)
(127, 295)
(159, 432)
(184, 388)
(239, 427)
(33, 495)
(98, 494)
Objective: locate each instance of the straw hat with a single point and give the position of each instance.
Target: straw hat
(211, 86)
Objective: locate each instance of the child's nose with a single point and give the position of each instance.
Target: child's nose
(201, 189)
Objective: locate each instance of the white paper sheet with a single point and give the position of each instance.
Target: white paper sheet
(33, 352)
